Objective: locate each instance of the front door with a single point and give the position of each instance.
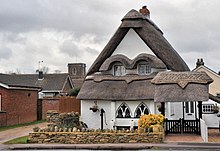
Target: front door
(189, 111)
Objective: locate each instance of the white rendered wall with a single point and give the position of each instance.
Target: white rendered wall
(92, 119)
(132, 45)
(177, 113)
(212, 120)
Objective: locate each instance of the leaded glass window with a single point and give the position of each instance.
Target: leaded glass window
(144, 69)
(123, 111)
(119, 70)
(141, 110)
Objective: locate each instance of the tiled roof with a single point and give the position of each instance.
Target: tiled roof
(50, 82)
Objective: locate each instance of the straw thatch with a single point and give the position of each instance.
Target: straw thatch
(108, 87)
(152, 61)
(181, 86)
(150, 34)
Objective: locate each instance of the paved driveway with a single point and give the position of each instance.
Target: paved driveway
(18, 132)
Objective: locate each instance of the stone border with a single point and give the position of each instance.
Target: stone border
(94, 137)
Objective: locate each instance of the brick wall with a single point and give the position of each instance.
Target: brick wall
(3, 119)
(20, 105)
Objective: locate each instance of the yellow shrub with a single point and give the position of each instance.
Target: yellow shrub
(147, 121)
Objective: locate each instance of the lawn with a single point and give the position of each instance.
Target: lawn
(19, 140)
(3, 128)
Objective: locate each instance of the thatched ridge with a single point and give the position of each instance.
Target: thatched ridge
(150, 34)
(153, 61)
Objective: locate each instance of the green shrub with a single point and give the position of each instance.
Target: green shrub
(74, 92)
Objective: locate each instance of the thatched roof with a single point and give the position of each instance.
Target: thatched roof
(108, 87)
(150, 34)
(181, 78)
(153, 61)
(181, 86)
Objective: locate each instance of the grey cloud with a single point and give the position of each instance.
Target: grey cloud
(5, 52)
(92, 51)
(69, 48)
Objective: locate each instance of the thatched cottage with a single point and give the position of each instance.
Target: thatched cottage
(119, 83)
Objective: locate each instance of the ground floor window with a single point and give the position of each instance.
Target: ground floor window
(123, 111)
(208, 108)
(141, 110)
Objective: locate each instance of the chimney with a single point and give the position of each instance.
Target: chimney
(40, 75)
(145, 11)
(199, 62)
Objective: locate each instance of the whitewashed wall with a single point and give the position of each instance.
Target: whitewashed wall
(204, 130)
(93, 119)
(132, 45)
(212, 120)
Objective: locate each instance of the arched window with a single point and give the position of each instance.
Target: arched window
(141, 110)
(123, 111)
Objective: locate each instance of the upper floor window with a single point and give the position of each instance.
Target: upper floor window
(123, 111)
(141, 110)
(74, 71)
(144, 69)
(119, 70)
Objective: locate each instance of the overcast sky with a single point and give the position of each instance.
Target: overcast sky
(59, 32)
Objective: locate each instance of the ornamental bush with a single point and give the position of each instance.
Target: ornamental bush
(148, 121)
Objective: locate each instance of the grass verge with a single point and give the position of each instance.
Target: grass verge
(3, 128)
(19, 140)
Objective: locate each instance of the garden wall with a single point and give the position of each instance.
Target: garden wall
(94, 137)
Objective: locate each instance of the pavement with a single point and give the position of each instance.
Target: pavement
(171, 142)
(18, 132)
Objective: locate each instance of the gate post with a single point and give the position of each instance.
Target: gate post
(200, 109)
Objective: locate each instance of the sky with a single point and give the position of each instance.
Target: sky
(58, 32)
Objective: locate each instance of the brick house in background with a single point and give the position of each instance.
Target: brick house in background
(54, 88)
(18, 104)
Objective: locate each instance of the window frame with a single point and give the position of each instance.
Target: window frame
(210, 108)
(121, 71)
(145, 67)
(123, 111)
(142, 111)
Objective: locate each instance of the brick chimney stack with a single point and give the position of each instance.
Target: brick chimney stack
(145, 11)
(199, 62)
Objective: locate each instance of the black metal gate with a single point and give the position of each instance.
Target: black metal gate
(182, 126)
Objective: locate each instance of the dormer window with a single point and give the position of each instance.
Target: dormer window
(144, 69)
(119, 70)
